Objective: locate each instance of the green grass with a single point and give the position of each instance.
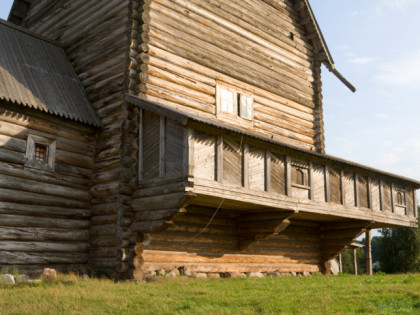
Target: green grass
(381, 294)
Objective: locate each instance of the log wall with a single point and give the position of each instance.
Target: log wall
(188, 245)
(96, 37)
(44, 214)
(190, 46)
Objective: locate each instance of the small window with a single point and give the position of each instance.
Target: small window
(40, 152)
(300, 176)
(235, 102)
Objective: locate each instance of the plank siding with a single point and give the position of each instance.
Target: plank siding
(44, 214)
(190, 45)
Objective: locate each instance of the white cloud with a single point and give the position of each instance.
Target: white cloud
(382, 116)
(362, 60)
(397, 4)
(403, 72)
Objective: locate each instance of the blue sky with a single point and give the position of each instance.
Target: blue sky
(375, 46)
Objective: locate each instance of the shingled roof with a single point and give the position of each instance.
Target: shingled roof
(35, 73)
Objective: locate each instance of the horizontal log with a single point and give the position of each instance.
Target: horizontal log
(42, 259)
(209, 267)
(44, 211)
(42, 234)
(26, 185)
(30, 221)
(155, 214)
(14, 246)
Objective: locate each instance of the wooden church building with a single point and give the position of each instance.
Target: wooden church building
(141, 135)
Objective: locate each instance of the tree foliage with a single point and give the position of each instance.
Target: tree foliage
(400, 250)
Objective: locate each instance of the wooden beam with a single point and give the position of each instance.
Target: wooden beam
(188, 152)
(381, 195)
(267, 171)
(415, 204)
(392, 198)
(369, 271)
(288, 174)
(342, 191)
(327, 183)
(369, 192)
(310, 181)
(356, 190)
(245, 165)
(219, 159)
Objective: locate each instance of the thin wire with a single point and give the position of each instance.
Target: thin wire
(214, 214)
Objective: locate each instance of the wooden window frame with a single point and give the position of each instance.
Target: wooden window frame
(238, 94)
(30, 160)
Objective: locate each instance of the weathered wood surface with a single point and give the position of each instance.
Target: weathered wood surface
(187, 46)
(96, 36)
(44, 214)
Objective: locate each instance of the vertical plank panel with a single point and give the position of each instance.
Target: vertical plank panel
(205, 156)
(318, 182)
(334, 180)
(363, 191)
(278, 173)
(387, 197)
(349, 189)
(256, 169)
(151, 145)
(232, 162)
(375, 195)
(310, 181)
(174, 148)
(356, 190)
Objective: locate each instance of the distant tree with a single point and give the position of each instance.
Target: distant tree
(400, 250)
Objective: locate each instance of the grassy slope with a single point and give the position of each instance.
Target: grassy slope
(313, 295)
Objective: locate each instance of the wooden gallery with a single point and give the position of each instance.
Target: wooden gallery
(137, 136)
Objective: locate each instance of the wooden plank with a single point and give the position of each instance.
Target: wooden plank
(278, 174)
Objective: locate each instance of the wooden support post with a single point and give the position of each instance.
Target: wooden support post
(415, 204)
(245, 166)
(369, 192)
(355, 261)
(392, 198)
(219, 158)
(310, 181)
(369, 271)
(340, 263)
(267, 170)
(288, 170)
(342, 191)
(356, 191)
(327, 183)
(141, 136)
(188, 152)
(381, 195)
